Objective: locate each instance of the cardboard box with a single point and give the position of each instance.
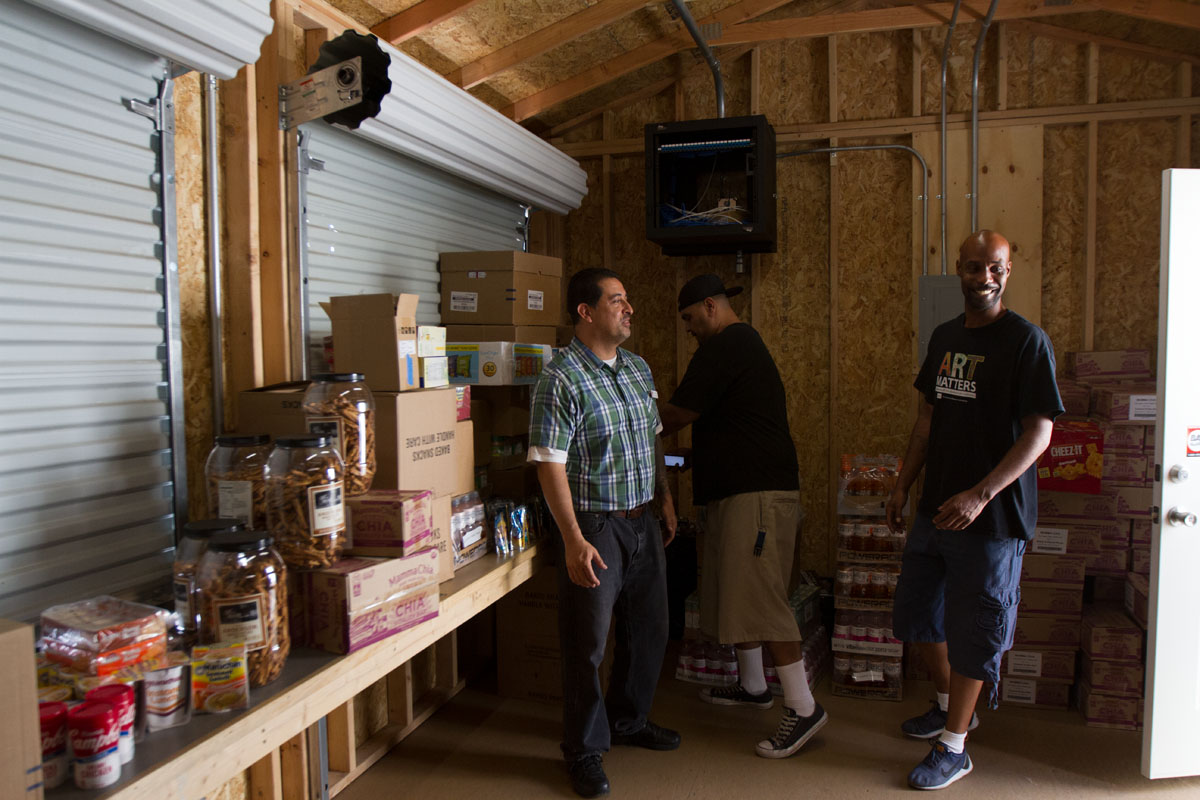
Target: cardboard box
(274, 409)
(1054, 539)
(1037, 663)
(1034, 631)
(1109, 710)
(1139, 532)
(500, 287)
(1121, 439)
(1109, 365)
(1149, 439)
(1108, 633)
(1126, 404)
(1114, 535)
(433, 371)
(1133, 502)
(439, 537)
(431, 341)
(376, 334)
(415, 445)
(346, 633)
(1074, 461)
(464, 460)
(1127, 470)
(533, 334)
(1123, 678)
(1034, 692)
(1076, 397)
(21, 735)
(356, 584)
(1107, 562)
(389, 522)
(1139, 560)
(1073, 507)
(1104, 588)
(1059, 600)
(1137, 598)
(1054, 569)
(497, 363)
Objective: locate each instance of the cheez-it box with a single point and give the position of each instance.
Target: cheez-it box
(1074, 461)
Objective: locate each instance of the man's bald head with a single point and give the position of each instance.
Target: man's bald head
(988, 242)
(984, 262)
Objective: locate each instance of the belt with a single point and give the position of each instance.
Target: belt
(632, 513)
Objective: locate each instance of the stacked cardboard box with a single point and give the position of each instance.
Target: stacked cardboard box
(1112, 675)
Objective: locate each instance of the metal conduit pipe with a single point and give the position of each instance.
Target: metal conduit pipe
(713, 63)
(942, 165)
(211, 173)
(924, 183)
(987, 22)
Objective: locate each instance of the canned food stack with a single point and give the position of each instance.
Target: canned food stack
(867, 658)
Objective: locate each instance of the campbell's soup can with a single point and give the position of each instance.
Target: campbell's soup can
(120, 696)
(94, 730)
(54, 743)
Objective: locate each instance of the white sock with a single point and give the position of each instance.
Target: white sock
(944, 701)
(750, 670)
(796, 694)
(955, 742)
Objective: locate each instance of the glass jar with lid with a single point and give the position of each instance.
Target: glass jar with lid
(193, 543)
(339, 405)
(241, 588)
(235, 475)
(305, 501)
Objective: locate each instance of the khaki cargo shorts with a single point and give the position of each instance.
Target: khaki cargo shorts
(749, 540)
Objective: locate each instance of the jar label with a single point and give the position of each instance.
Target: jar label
(235, 500)
(185, 593)
(326, 510)
(241, 619)
(328, 426)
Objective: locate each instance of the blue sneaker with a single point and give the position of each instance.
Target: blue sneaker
(940, 768)
(931, 723)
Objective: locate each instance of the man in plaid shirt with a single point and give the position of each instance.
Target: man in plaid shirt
(594, 436)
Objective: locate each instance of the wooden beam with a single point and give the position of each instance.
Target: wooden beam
(293, 767)
(1089, 280)
(1002, 66)
(417, 19)
(831, 62)
(833, 434)
(632, 60)
(340, 738)
(890, 19)
(541, 41)
(756, 80)
(265, 778)
(310, 14)
(313, 39)
(1083, 37)
(680, 107)
(918, 48)
(1093, 73)
(606, 197)
(1171, 12)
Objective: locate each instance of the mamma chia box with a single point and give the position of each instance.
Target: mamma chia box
(1124, 678)
(1063, 539)
(1054, 599)
(1123, 439)
(1037, 631)
(1053, 569)
(1107, 632)
(1073, 507)
(359, 601)
(389, 522)
(1126, 404)
(1035, 692)
(1102, 710)
(1046, 664)
(1109, 365)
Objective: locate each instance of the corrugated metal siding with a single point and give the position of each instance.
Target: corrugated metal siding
(375, 221)
(86, 497)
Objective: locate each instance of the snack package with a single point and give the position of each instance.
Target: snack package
(219, 679)
(103, 635)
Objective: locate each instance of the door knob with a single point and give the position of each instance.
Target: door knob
(1178, 516)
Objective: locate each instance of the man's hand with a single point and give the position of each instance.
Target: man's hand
(894, 512)
(670, 522)
(960, 510)
(579, 555)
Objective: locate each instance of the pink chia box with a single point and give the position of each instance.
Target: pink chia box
(342, 632)
(1110, 364)
(1122, 439)
(1074, 507)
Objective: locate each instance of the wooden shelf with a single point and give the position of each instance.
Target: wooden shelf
(195, 760)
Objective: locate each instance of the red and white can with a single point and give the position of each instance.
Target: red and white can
(121, 697)
(94, 730)
(54, 743)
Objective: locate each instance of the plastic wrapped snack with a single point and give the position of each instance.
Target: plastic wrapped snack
(103, 635)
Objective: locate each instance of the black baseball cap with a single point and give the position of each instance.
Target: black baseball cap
(703, 286)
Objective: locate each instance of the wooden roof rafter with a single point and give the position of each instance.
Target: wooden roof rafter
(1083, 37)
(417, 19)
(1171, 12)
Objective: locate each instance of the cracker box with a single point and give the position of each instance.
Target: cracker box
(1074, 461)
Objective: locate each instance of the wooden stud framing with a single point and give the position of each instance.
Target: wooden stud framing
(1093, 73)
(1089, 286)
(340, 735)
(918, 48)
(400, 694)
(756, 80)
(1172, 12)
(833, 84)
(680, 107)
(835, 199)
(265, 778)
(293, 767)
(606, 179)
(312, 742)
(1002, 66)
(1109, 43)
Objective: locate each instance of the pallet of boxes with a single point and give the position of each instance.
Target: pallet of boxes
(1095, 483)
(867, 658)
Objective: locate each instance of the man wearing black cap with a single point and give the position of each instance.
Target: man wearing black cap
(747, 475)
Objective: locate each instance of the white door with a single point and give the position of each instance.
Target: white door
(1172, 720)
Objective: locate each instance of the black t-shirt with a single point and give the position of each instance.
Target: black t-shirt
(741, 442)
(982, 382)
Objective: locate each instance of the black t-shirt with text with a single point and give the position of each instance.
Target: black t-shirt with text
(741, 441)
(982, 382)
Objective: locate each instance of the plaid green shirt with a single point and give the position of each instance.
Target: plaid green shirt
(605, 419)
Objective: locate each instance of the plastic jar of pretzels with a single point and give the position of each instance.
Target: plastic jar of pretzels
(305, 501)
(235, 474)
(339, 405)
(193, 544)
(242, 595)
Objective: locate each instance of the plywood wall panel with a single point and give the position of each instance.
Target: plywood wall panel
(795, 81)
(1045, 72)
(1124, 76)
(700, 96)
(1132, 156)
(370, 711)
(630, 122)
(193, 283)
(958, 71)
(874, 77)
(585, 226)
(1064, 236)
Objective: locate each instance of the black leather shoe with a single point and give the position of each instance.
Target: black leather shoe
(587, 776)
(650, 737)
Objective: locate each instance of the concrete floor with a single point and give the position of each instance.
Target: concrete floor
(481, 745)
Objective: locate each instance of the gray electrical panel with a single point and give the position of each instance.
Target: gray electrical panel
(941, 299)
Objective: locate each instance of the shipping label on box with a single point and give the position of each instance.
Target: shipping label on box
(1046, 631)
(415, 443)
(1126, 404)
(389, 522)
(1075, 539)
(1070, 506)
(1049, 598)
(1109, 710)
(497, 363)
(434, 371)
(1125, 470)
(376, 334)
(1133, 502)
(505, 287)
(1046, 664)
(1033, 692)
(1052, 568)
(1074, 461)
(1108, 633)
(431, 341)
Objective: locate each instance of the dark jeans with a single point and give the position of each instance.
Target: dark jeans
(633, 590)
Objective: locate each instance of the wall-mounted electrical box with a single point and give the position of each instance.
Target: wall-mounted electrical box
(710, 186)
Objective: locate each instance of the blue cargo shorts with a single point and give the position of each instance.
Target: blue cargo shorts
(962, 589)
